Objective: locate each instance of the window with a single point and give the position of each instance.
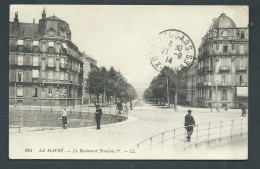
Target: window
(35, 73)
(242, 35)
(62, 76)
(19, 91)
(34, 92)
(217, 47)
(35, 61)
(225, 49)
(27, 59)
(233, 47)
(44, 47)
(50, 75)
(13, 42)
(20, 60)
(210, 93)
(35, 43)
(66, 76)
(28, 44)
(20, 76)
(57, 47)
(20, 42)
(58, 75)
(62, 62)
(27, 76)
(224, 79)
(242, 48)
(51, 44)
(50, 61)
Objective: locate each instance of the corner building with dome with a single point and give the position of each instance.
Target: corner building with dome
(44, 64)
(220, 74)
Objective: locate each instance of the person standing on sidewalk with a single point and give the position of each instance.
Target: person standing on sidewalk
(131, 105)
(119, 107)
(98, 115)
(189, 123)
(243, 108)
(126, 110)
(64, 115)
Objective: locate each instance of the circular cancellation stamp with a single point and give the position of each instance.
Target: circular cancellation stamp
(173, 48)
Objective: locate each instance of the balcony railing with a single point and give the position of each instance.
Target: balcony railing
(241, 68)
(56, 81)
(225, 83)
(224, 98)
(224, 68)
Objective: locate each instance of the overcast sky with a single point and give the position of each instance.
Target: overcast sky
(121, 36)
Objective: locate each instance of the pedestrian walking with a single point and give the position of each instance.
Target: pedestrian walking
(126, 110)
(119, 107)
(131, 105)
(64, 115)
(98, 115)
(225, 106)
(189, 124)
(243, 108)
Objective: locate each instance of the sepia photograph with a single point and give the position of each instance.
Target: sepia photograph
(128, 82)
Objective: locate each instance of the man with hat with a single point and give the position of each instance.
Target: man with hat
(98, 114)
(189, 123)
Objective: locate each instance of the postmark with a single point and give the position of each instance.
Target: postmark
(172, 48)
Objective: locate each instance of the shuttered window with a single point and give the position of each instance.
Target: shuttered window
(12, 59)
(27, 76)
(50, 75)
(242, 48)
(50, 61)
(27, 92)
(28, 60)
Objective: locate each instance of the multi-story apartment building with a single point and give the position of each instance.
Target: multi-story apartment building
(89, 64)
(222, 72)
(192, 80)
(43, 61)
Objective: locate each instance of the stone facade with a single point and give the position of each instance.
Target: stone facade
(43, 61)
(221, 74)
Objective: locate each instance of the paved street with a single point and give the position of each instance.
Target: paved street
(114, 141)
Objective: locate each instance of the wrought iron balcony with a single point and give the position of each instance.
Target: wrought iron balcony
(241, 68)
(224, 68)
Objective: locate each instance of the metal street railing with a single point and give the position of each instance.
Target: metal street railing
(175, 139)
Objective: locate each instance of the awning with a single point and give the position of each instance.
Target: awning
(64, 45)
(242, 91)
(20, 42)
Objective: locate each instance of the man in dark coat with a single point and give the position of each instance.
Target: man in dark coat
(98, 114)
(243, 107)
(119, 107)
(189, 123)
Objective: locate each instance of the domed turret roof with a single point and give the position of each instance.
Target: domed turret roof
(223, 21)
(54, 18)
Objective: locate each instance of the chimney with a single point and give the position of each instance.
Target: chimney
(43, 14)
(33, 20)
(16, 17)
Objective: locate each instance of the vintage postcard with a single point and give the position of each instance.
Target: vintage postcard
(147, 82)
